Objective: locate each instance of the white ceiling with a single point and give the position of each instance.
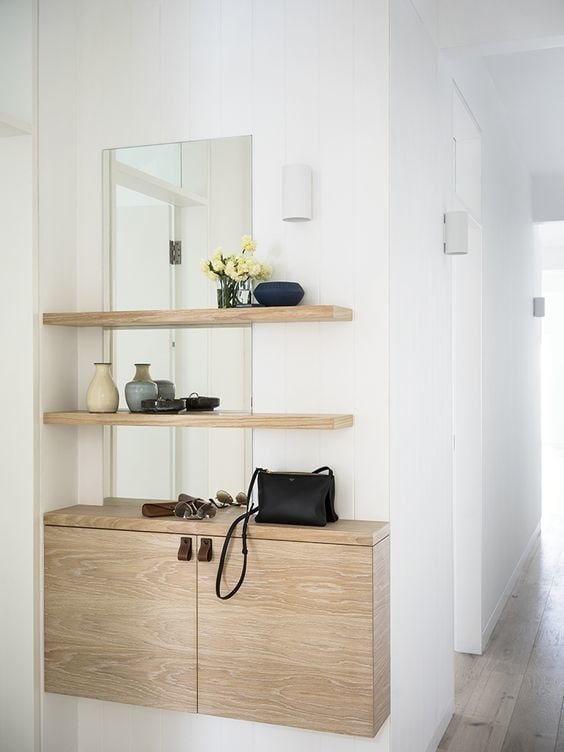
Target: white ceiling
(531, 87)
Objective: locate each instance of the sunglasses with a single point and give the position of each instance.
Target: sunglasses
(190, 507)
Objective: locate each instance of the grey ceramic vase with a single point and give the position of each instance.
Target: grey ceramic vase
(141, 388)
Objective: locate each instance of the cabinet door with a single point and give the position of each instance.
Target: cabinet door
(295, 645)
(120, 617)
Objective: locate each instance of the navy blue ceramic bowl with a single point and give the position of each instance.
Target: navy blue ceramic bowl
(279, 293)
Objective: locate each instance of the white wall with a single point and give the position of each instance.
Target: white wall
(17, 544)
(309, 80)
(58, 238)
(548, 198)
(420, 391)
(506, 475)
(465, 193)
(16, 59)
(510, 503)
(18, 613)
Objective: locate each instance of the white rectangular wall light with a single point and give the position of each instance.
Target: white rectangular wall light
(296, 193)
(456, 233)
(538, 307)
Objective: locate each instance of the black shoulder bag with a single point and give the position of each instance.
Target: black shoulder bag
(283, 499)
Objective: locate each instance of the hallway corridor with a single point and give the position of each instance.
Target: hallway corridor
(510, 699)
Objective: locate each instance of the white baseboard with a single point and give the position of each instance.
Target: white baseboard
(492, 621)
(441, 728)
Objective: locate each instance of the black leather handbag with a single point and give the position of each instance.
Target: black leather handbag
(283, 499)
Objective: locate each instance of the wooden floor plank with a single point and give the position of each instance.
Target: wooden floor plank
(559, 746)
(475, 735)
(534, 723)
(511, 698)
(494, 697)
(468, 670)
(450, 733)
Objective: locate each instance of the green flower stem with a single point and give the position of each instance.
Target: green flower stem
(226, 293)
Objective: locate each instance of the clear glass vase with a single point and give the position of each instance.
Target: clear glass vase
(245, 293)
(226, 293)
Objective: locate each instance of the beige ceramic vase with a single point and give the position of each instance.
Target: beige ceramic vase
(102, 395)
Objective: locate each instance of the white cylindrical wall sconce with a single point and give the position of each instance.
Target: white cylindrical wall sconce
(296, 193)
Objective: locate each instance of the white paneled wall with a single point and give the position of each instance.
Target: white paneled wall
(309, 81)
(17, 441)
(16, 40)
(511, 489)
(57, 261)
(420, 393)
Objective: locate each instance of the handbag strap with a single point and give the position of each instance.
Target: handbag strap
(245, 519)
(322, 470)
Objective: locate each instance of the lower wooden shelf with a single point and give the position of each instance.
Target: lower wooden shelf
(125, 514)
(223, 419)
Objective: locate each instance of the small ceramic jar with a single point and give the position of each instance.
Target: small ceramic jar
(165, 389)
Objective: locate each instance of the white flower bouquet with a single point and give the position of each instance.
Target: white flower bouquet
(231, 270)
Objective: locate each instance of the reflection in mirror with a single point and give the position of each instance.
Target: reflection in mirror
(170, 206)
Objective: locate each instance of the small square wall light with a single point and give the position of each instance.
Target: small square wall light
(456, 233)
(538, 307)
(296, 193)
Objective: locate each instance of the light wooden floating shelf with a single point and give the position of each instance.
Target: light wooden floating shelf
(222, 419)
(199, 317)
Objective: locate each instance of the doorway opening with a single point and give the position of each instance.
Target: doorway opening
(550, 237)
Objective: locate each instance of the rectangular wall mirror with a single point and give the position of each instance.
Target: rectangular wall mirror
(168, 207)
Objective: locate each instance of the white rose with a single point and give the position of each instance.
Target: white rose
(254, 270)
(230, 270)
(248, 245)
(266, 271)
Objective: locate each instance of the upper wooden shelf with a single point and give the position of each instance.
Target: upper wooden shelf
(199, 317)
(216, 419)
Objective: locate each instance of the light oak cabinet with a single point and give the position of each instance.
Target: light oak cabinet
(304, 643)
(120, 617)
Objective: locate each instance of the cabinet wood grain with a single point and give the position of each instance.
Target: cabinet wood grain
(295, 645)
(381, 624)
(304, 643)
(120, 617)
